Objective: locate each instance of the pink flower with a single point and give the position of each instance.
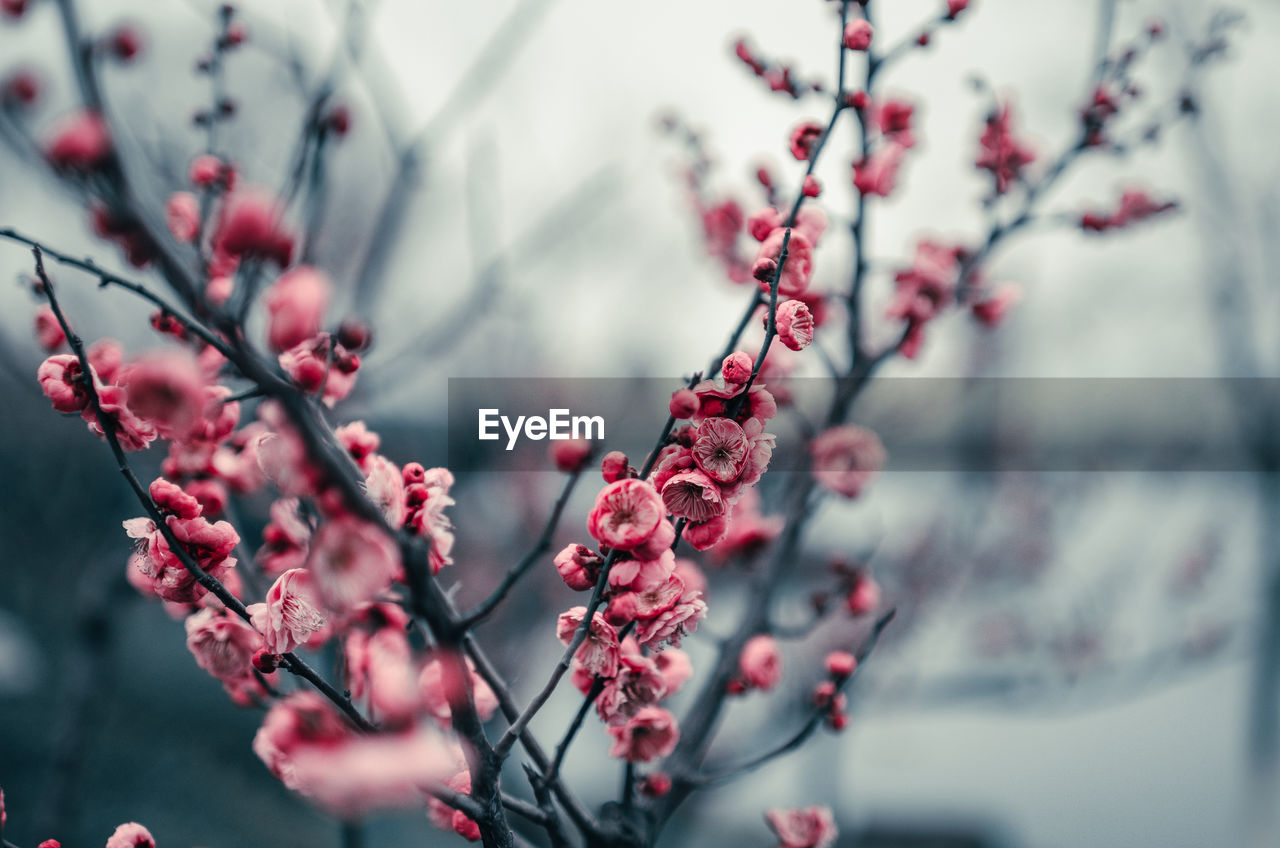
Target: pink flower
(296, 303)
(857, 35)
(579, 566)
(427, 502)
(614, 467)
(222, 644)
(684, 403)
(62, 382)
(840, 663)
(291, 615)
(131, 835)
(352, 562)
(638, 684)
(626, 513)
(799, 267)
(105, 358)
(13, 9)
(440, 685)
(172, 500)
(133, 432)
(598, 653)
(720, 450)
(299, 720)
(249, 226)
(1135, 205)
(926, 288)
(864, 595)
(794, 323)
(648, 735)
(760, 662)
(321, 363)
(669, 627)
(676, 669)
(803, 139)
(49, 332)
(167, 389)
(703, 535)
(655, 599)
(811, 827)
(1002, 154)
(846, 458)
(384, 484)
(285, 540)
(360, 442)
(878, 173)
(206, 170)
(991, 310)
(693, 495)
(79, 142)
(364, 774)
(893, 117)
(182, 215)
(643, 574)
(571, 455)
(379, 664)
(955, 7)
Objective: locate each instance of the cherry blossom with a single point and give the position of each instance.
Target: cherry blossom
(131, 835)
(810, 827)
(292, 613)
(648, 735)
(846, 458)
(598, 653)
(626, 513)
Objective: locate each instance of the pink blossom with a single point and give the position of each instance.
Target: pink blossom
(840, 663)
(749, 530)
(803, 139)
(648, 735)
(1135, 205)
(105, 357)
(352, 562)
(291, 615)
(182, 215)
(79, 142)
(133, 432)
(676, 669)
(655, 599)
(760, 662)
(857, 35)
(131, 835)
(384, 484)
(955, 7)
(206, 170)
(684, 403)
(285, 540)
(878, 173)
(720, 450)
(1001, 153)
(703, 535)
(598, 653)
(669, 627)
(440, 685)
(811, 827)
(296, 303)
(223, 644)
(579, 566)
(172, 500)
(794, 323)
(864, 595)
(991, 311)
(626, 513)
(571, 455)
(364, 774)
(799, 267)
(167, 389)
(12, 9)
(693, 495)
(49, 332)
(360, 442)
(249, 226)
(638, 684)
(927, 287)
(846, 459)
(62, 381)
(427, 502)
(299, 720)
(893, 117)
(614, 467)
(642, 574)
(763, 222)
(379, 665)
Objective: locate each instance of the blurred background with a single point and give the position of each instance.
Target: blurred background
(1079, 658)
